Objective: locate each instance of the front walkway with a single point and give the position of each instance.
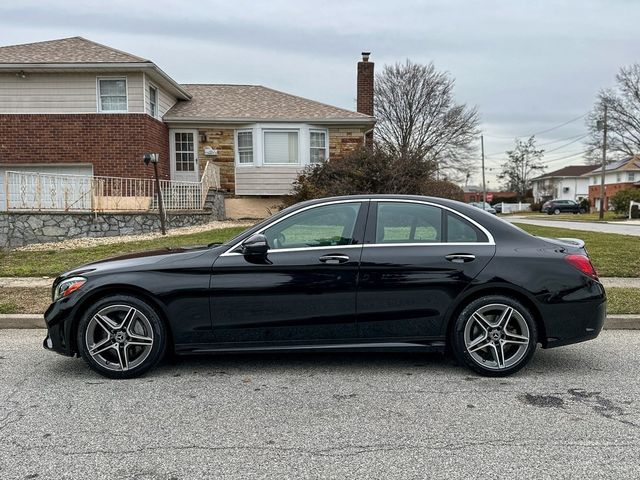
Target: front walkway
(603, 227)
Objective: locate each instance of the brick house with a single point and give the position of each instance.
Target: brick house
(74, 106)
(620, 175)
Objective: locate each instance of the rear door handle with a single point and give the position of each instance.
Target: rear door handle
(460, 257)
(334, 259)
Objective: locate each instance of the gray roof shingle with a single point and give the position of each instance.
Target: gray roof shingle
(222, 102)
(64, 51)
(569, 171)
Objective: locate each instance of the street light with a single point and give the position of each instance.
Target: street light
(153, 159)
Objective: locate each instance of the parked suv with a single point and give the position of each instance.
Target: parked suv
(556, 207)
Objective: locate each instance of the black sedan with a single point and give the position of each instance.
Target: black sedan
(556, 207)
(348, 273)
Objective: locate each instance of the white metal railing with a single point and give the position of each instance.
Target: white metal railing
(33, 191)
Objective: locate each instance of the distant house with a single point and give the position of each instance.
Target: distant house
(620, 175)
(473, 193)
(568, 183)
(73, 106)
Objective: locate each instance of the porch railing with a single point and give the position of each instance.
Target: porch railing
(33, 191)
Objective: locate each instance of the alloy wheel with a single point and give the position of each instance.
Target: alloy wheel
(119, 337)
(496, 336)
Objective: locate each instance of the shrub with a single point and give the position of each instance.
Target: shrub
(620, 201)
(370, 171)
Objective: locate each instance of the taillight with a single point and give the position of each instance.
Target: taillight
(582, 263)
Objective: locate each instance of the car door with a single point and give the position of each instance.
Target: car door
(303, 289)
(417, 258)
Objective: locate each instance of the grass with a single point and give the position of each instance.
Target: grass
(623, 300)
(36, 300)
(53, 262)
(583, 217)
(613, 255)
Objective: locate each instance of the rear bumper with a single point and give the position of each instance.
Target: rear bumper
(580, 322)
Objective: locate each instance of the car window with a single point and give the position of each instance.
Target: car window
(459, 230)
(327, 225)
(408, 223)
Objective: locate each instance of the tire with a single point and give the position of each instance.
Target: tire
(483, 356)
(556, 211)
(121, 336)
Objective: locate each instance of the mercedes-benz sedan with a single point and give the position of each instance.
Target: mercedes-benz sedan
(348, 273)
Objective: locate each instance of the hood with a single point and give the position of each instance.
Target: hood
(143, 260)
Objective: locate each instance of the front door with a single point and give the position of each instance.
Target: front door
(184, 155)
(303, 290)
(417, 259)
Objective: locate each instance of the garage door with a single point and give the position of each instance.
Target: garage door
(73, 190)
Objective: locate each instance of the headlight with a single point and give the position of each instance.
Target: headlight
(67, 287)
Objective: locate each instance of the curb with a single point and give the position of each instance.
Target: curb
(24, 321)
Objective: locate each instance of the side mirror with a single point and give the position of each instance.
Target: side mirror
(255, 245)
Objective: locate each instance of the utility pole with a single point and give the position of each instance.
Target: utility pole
(484, 187)
(604, 163)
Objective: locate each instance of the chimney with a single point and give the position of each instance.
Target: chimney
(365, 85)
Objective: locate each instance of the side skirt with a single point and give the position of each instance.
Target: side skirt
(433, 346)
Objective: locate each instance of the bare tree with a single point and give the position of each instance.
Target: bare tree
(524, 161)
(623, 118)
(417, 115)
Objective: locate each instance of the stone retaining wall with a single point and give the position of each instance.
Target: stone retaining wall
(19, 229)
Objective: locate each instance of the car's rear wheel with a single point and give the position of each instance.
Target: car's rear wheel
(121, 336)
(494, 335)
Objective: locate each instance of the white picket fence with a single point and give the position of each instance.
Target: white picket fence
(33, 191)
(515, 207)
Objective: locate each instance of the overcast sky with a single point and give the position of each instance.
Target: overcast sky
(527, 65)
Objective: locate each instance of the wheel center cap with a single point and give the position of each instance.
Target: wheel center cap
(120, 337)
(495, 335)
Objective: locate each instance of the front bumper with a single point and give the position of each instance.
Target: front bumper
(58, 319)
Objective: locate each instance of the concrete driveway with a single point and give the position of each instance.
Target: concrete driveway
(573, 413)
(611, 227)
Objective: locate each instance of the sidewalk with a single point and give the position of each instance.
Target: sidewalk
(46, 282)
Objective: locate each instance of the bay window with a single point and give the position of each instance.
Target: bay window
(317, 146)
(287, 145)
(245, 147)
(112, 94)
(280, 147)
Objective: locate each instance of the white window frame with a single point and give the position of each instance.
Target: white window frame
(157, 90)
(297, 131)
(326, 143)
(99, 96)
(253, 147)
(259, 129)
(631, 176)
(618, 177)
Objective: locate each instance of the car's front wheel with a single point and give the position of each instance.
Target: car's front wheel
(556, 211)
(121, 336)
(494, 335)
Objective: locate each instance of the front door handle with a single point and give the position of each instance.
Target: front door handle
(460, 257)
(334, 259)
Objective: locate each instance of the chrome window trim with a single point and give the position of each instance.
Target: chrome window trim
(490, 240)
(230, 251)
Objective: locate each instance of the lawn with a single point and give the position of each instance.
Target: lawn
(570, 217)
(36, 300)
(53, 262)
(613, 255)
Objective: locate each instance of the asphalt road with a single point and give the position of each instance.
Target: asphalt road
(573, 413)
(611, 227)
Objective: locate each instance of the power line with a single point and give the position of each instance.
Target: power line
(541, 131)
(567, 144)
(573, 137)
